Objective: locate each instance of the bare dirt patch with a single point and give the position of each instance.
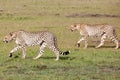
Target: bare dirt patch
(109, 68)
(74, 15)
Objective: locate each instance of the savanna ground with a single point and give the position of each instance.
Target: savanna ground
(56, 16)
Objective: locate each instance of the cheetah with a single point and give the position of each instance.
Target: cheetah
(101, 30)
(43, 38)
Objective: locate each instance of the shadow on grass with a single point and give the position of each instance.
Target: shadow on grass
(107, 47)
(61, 58)
(92, 46)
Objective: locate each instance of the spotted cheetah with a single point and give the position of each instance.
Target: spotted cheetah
(102, 30)
(43, 38)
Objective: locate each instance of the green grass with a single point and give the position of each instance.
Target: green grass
(38, 15)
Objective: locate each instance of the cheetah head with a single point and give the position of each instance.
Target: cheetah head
(9, 37)
(73, 27)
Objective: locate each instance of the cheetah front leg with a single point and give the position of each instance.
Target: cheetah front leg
(24, 52)
(83, 39)
(115, 40)
(78, 43)
(41, 51)
(14, 50)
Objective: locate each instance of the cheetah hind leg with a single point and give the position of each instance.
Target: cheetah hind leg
(102, 41)
(41, 51)
(55, 50)
(116, 42)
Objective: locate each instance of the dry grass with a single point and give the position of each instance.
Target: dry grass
(37, 15)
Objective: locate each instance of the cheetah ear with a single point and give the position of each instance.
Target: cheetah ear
(10, 34)
(74, 25)
(13, 35)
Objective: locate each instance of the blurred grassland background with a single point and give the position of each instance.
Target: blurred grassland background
(56, 16)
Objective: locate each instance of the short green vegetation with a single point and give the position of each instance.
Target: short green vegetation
(56, 16)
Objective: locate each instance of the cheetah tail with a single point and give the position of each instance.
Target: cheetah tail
(65, 53)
